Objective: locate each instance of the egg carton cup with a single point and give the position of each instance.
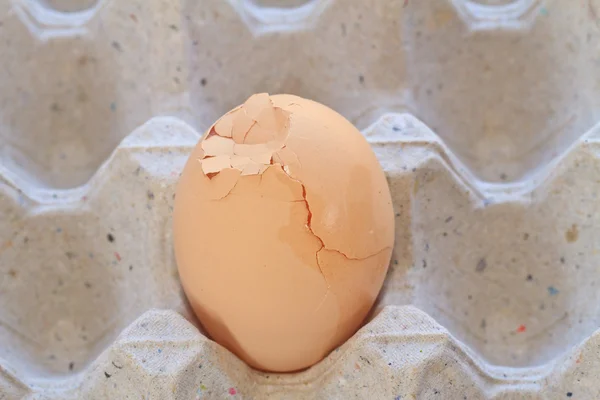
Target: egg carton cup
(92, 307)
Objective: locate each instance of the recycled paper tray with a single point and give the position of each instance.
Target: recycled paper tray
(482, 114)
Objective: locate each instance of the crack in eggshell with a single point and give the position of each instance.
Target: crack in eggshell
(309, 227)
(376, 254)
(250, 139)
(324, 247)
(323, 301)
(222, 184)
(346, 256)
(286, 157)
(351, 181)
(322, 243)
(325, 271)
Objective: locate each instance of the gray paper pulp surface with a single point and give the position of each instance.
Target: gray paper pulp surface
(492, 290)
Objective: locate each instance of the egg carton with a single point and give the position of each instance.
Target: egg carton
(491, 291)
(81, 265)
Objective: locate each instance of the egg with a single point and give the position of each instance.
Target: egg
(283, 231)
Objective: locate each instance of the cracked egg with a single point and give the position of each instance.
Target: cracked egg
(283, 229)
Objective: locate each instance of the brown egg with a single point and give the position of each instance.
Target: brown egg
(283, 230)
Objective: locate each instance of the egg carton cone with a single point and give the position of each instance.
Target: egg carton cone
(491, 292)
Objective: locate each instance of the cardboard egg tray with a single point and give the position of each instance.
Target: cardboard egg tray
(492, 291)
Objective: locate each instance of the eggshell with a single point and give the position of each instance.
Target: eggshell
(283, 228)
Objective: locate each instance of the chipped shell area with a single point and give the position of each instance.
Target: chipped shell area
(247, 138)
(221, 151)
(339, 162)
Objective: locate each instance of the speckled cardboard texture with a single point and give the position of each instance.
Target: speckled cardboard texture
(481, 114)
